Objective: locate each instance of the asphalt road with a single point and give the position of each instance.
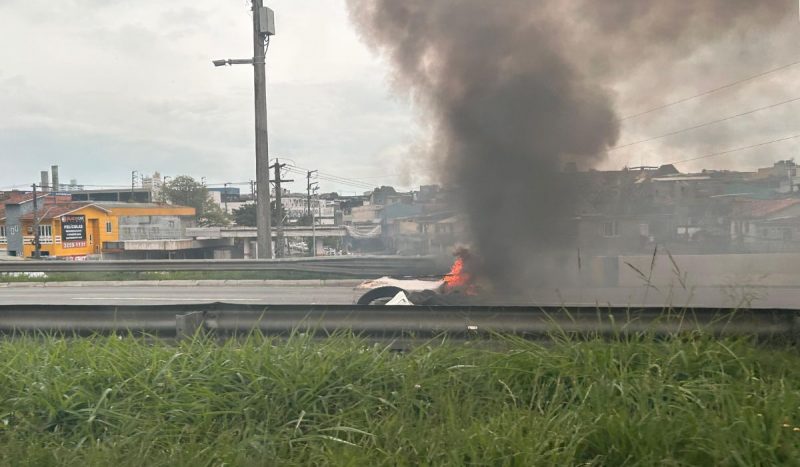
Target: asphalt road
(343, 294)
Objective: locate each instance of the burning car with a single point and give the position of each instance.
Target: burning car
(455, 287)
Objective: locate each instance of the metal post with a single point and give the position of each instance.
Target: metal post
(262, 145)
(225, 194)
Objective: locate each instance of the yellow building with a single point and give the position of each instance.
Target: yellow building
(75, 230)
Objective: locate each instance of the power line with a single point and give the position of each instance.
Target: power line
(331, 175)
(332, 178)
(701, 125)
(728, 151)
(711, 91)
(324, 175)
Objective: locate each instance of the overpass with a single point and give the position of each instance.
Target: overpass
(320, 231)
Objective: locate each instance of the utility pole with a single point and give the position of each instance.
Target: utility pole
(279, 247)
(260, 41)
(263, 28)
(225, 194)
(133, 185)
(308, 191)
(314, 230)
(313, 236)
(37, 246)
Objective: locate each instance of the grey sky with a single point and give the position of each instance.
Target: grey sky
(105, 87)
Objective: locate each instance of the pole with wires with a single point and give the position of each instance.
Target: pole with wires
(279, 241)
(37, 245)
(308, 191)
(263, 29)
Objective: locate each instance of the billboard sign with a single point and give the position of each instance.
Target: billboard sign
(73, 231)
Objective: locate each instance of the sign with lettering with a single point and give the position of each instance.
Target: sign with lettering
(73, 231)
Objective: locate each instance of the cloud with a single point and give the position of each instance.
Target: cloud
(130, 86)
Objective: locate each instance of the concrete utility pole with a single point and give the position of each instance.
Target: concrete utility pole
(225, 194)
(263, 28)
(37, 246)
(279, 247)
(308, 191)
(314, 229)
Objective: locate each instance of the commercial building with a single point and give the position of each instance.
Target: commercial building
(71, 229)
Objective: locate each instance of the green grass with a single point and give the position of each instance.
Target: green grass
(342, 401)
(172, 275)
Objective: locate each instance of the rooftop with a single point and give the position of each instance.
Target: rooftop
(763, 207)
(57, 210)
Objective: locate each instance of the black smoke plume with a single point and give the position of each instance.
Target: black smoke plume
(515, 89)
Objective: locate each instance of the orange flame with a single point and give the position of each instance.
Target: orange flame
(458, 279)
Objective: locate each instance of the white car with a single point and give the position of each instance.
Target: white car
(381, 291)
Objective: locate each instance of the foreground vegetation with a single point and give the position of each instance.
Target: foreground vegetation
(128, 401)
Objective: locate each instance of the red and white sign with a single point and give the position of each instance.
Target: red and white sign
(75, 244)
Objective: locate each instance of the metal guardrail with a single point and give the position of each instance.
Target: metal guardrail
(361, 266)
(396, 322)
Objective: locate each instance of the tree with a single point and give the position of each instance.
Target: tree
(186, 191)
(246, 215)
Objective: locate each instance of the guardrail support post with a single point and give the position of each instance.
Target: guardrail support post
(187, 324)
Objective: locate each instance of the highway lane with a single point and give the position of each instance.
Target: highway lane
(345, 294)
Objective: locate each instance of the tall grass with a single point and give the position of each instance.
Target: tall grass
(343, 401)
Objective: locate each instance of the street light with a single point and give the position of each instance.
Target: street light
(233, 61)
(263, 28)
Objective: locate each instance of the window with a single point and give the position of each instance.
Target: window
(109, 227)
(45, 231)
(3, 234)
(610, 229)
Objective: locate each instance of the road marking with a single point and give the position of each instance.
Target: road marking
(172, 299)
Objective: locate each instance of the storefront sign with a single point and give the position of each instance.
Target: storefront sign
(73, 231)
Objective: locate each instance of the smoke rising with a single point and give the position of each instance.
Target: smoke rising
(514, 89)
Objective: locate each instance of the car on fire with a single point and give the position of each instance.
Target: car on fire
(451, 288)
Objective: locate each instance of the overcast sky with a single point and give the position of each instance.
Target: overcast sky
(104, 87)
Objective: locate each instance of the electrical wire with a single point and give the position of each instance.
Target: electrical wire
(728, 151)
(712, 91)
(330, 177)
(705, 124)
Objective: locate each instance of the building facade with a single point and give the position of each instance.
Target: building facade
(78, 230)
